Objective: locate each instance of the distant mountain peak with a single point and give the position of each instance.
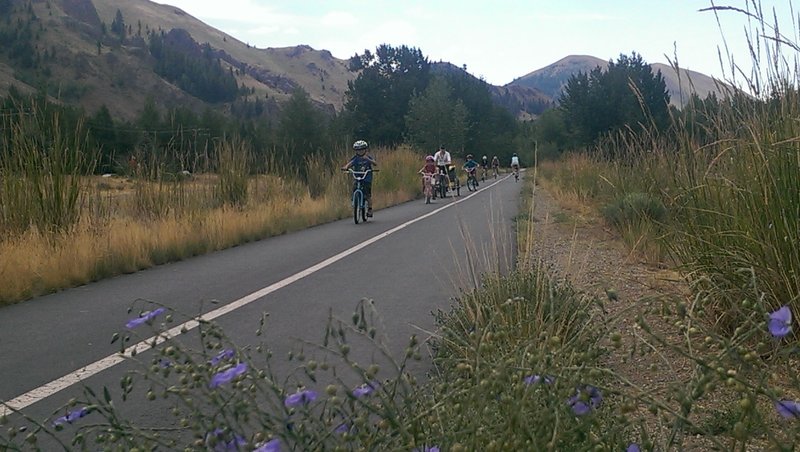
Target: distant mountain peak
(552, 78)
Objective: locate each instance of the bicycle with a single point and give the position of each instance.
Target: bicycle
(515, 170)
(472, 180)
(359, 202)
(484, 170)
(442, 183)
(495, 171)
(427, 186)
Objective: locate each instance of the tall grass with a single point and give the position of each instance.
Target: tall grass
(155, 217)
(728, 178)
(41, 167)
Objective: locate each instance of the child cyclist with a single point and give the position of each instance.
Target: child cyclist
(362, 162)
(429, 171)
(471, 167)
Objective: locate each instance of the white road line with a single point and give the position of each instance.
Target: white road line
(46, 390)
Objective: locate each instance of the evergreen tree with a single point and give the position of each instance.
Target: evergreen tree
(301, 130)
(626, 95)
(378, 98)
(436, 118)
(118, 25)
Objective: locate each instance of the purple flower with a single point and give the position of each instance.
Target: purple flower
(342, 428)
(227, 375)
(72, 416)
(234, 444)
(300, 398)
(273, 445)
(426, 449)
(632, 447)
(780, 321)
(789, 409)
(145, 317)
(586, 400)
(533, 379)
(365, 389)
(223, 355)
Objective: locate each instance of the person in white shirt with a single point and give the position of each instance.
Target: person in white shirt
(443, 161)
(515, 166)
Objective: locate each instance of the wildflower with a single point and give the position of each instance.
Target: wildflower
(632, 447)
(216, 439)
(585, 400)
(300, 397)
(145, 317)
(426, 449)
(533, 379)
(342, 428)
(72, 416)
(789, 409)
(780, 321)
(227, 375)
(273, 445)
(365, 389)
(222, 356)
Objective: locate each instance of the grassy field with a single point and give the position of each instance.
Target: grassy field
(61, 229)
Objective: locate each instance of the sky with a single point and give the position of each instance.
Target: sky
(501, 40)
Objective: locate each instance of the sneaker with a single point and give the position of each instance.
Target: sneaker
(369, 212)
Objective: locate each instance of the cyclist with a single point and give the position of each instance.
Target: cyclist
(443, 161)
(515, 165)
(470, 166)
(361, 161)
(495, 165)
(484, 167)
(428, 170)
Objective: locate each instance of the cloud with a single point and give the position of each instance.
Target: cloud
(339, 19)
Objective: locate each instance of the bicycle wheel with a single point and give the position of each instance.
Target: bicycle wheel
(442, 187)
(364, 211)
(357, 205)
(472, 184)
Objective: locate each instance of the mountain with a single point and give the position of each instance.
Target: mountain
(522, 101)
(100, 52)
(122, 54)
(551, 79)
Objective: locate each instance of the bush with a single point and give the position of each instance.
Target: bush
(635, 208)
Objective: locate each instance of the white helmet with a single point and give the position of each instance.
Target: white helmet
(360, 145)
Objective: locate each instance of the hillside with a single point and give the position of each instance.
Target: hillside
(80, 55)
(552, 78)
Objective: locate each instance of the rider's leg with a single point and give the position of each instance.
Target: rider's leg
(368, 197)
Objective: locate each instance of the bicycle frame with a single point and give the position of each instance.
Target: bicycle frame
(359, 201)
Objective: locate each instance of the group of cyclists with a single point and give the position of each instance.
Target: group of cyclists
(439, 164)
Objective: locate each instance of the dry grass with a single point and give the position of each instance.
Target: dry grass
(114, 238)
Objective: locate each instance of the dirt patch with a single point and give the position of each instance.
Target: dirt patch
(595, 261)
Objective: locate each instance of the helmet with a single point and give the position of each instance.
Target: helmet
(428, 158)
(469, 156)
(360, 146)
(515, 154)
(484, 157)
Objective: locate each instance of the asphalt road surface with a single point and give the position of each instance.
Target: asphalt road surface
(410, 259)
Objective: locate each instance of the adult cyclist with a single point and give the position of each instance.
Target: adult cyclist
(443, 162)
(515, 166)
(495, 166)
(361, 161)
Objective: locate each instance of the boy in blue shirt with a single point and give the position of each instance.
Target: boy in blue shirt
(362, 162)
(470, 166)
